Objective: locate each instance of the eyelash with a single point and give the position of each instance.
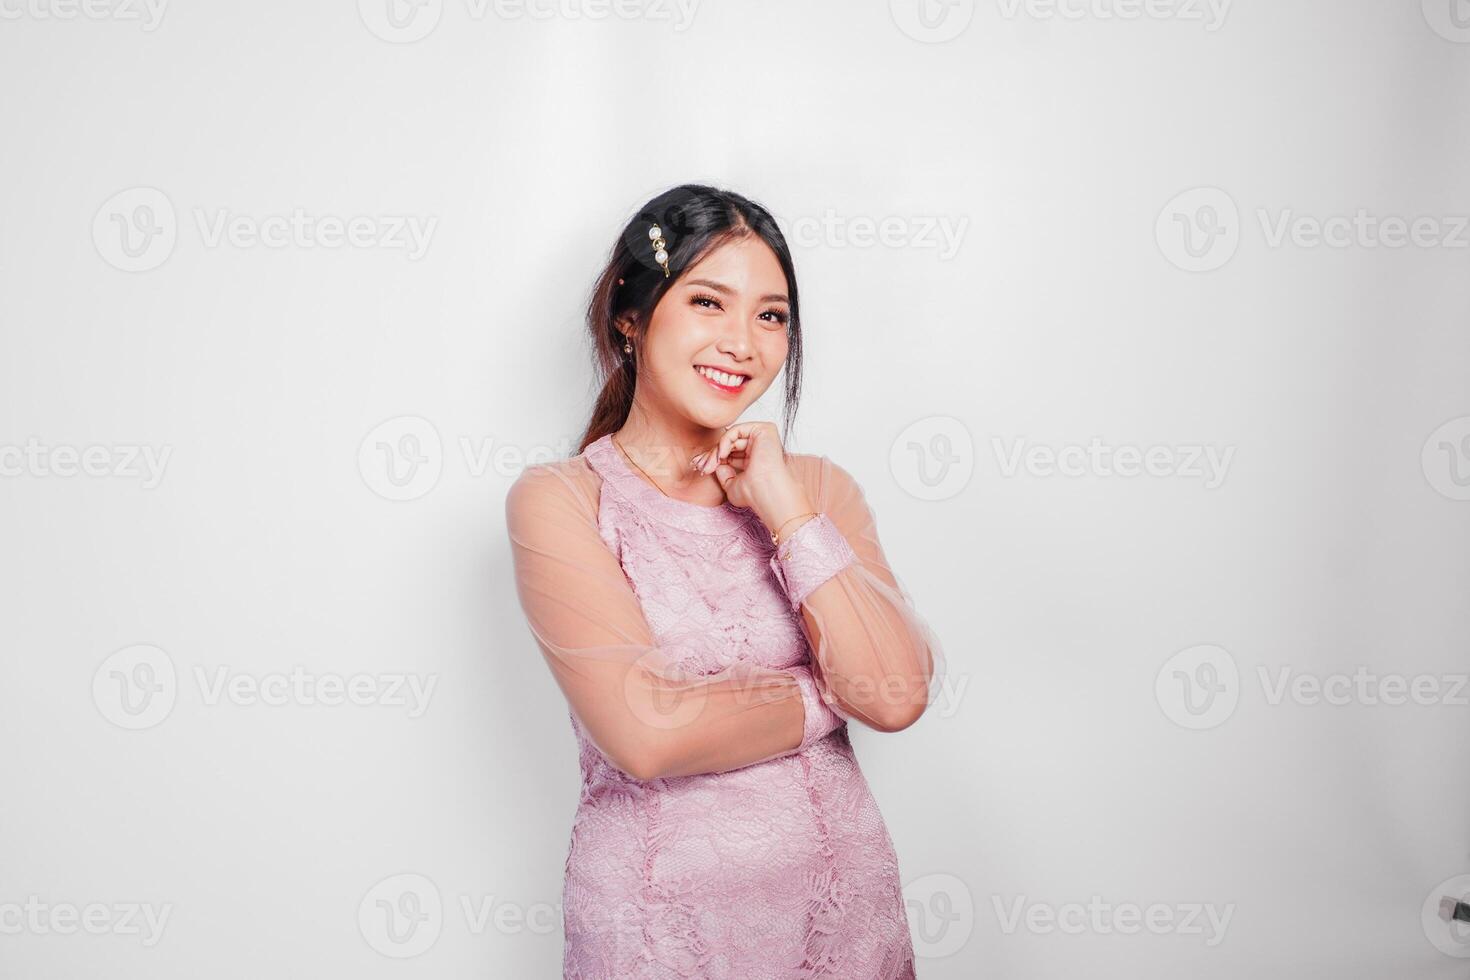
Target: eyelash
(781, 316)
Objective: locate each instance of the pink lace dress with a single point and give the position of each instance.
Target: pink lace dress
(725, 829)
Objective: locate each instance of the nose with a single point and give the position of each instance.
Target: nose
(736, 341)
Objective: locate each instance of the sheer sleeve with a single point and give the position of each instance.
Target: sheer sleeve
(647, 716)
(875, 659)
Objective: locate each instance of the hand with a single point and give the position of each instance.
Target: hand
(750, 464)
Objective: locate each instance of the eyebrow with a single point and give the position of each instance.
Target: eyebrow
(720, 287)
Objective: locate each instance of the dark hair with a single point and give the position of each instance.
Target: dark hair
(694, 219)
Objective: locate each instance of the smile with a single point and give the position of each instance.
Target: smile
(721, 380)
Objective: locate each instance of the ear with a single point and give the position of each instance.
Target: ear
(625, 323)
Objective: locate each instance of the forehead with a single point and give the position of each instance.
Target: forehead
(745, 260)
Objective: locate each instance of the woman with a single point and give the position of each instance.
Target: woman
(715, 610)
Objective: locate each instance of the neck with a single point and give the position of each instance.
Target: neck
(664, 449)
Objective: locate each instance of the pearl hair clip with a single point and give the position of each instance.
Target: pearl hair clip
(660, 253)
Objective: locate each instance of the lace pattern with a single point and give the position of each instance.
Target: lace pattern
(782, 868)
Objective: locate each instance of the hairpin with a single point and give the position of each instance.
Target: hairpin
(660, 255)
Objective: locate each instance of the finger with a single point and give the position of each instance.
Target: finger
(700, 459)
(740, 430)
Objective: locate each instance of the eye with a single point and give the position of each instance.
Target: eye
(702, 298)
(777, 316)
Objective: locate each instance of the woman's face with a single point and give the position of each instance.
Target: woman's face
(726, 313)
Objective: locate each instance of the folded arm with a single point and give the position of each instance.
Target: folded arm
(648, 717)
(875, 658)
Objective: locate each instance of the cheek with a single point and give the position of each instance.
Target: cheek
(774, 349)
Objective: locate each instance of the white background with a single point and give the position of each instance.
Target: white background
(1113, 187)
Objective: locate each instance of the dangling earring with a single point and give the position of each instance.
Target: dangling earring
(627, 348)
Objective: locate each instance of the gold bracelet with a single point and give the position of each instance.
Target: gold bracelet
(776, 538)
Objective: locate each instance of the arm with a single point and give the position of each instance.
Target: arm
(875, 658)
(649, 718)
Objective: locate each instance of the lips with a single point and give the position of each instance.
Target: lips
(726, 382)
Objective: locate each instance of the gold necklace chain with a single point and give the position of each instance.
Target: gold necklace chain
(630, 459)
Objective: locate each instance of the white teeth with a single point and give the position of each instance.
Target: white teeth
(729, 380)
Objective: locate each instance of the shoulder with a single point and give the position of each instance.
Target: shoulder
(559, 487)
